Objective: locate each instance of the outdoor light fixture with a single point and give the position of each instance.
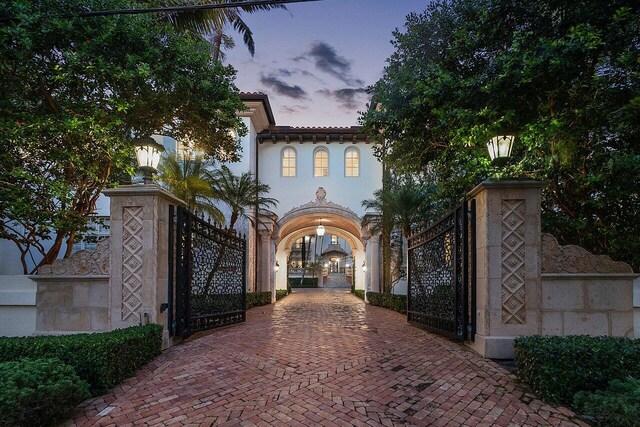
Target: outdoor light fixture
(148, 153)
(307, 238)
(320, 230)
(364, 268)
(326, 265)
(500, 148)
(277, 267)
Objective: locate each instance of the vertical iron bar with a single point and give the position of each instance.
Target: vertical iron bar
(409, 277)
(170, 305)
(244, 280)
(456, 272)
(187, 279)
(465, 271)
(179, 309)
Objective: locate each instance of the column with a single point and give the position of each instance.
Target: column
(139, 258)
(508, 276)
(374, 264)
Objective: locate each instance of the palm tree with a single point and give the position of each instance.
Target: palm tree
(188, 179)
(240, 193)
(401, 202)
(212, 22)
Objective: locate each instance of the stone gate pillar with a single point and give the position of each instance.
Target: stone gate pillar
(139, 229)
(508, 275)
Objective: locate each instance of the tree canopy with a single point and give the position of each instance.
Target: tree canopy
(75, 92)
(564, 76)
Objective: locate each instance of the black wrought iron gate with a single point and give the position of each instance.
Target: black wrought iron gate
(441, 291)
(207, 275)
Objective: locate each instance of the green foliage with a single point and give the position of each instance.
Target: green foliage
(617, 406)
(390, 301)
(38, 392)
(103, 360)
(359, 293)
(256, 299)
(242, 194)
(281, 293)
(557, 368)
(73, 93)
(563, 76)
(188, 179)
(307, 282)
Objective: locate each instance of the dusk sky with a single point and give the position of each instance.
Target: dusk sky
(316, 60)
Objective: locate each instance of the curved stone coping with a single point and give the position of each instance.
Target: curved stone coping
(68, 277)
(619, 276)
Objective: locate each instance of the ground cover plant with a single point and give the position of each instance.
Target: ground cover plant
(599, 376)
(390, 301)
(103, 360)
(38, 392)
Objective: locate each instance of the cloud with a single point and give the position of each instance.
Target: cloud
(327, 60)
(348, 98)
(290, 109)
(283, 88)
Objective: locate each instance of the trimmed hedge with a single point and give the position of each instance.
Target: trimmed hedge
(256, 299)
(390, 301)
(281, 294)
(102, 359)
(359, 293)
(38, 392)
(618, 406)
(307, 282)
(559, 367)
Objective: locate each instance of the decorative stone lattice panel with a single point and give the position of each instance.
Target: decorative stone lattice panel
(82, 263)
(574, 259)
(513, 289)
(131, 263)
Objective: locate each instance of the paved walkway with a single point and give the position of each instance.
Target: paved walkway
(320, 358)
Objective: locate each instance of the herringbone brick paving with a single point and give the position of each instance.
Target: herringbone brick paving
(320, 358)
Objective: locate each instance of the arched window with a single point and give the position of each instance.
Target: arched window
(321, 162)
(288, 162)
(351, 162)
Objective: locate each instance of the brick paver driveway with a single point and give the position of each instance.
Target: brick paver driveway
(320, 358)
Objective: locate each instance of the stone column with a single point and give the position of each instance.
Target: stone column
(139, 229)
(374, 264)
(508, 276)
(264, 262)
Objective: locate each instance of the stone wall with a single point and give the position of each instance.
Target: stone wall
(73, 294)
(584, 294)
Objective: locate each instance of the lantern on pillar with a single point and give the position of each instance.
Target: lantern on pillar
(500, 148)
(148, 153)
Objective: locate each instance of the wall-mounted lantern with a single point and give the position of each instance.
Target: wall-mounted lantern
(277, 267)
(148, 153)
(364, 268)
(500, 148)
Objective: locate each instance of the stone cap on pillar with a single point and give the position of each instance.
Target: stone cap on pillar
(506, 183)
(144, 190)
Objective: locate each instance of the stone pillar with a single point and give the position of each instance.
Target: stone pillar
(139, 229)
(264, 262)
(374, 264)
(508, 276)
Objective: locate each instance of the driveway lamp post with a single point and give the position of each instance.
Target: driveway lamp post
(148, 153)
(500, 148)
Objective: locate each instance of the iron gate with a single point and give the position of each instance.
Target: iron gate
(207, 275)
(441, 291)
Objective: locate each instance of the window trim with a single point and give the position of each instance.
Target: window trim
(315, 152)
(295, 162)
(357, 151)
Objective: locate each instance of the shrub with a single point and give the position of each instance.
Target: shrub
(619, 405)
(390, 301)
(307, 282)
(559, 367)
(288, 288)
(281, 294)
(359, 293)
(256, 299)
(103, 359)
(38, 392)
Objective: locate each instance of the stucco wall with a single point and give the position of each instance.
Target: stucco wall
(17, 306)
(300, 189)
